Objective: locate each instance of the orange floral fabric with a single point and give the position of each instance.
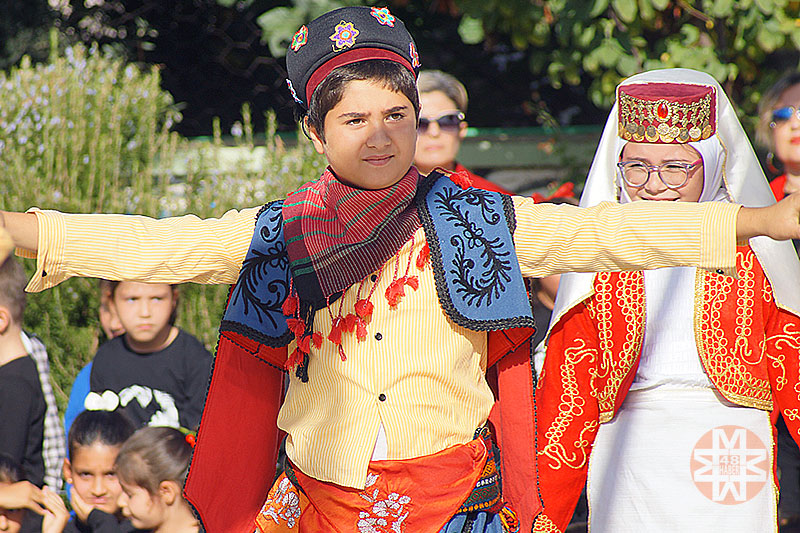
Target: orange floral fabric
(399, 496)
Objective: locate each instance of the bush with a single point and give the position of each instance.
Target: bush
(89, 133)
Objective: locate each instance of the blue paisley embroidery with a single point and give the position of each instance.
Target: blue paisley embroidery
(478, 285)
(255, 306)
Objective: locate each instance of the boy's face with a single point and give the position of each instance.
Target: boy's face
(370, 136)
(144, 310)
(91, 472)
(653, 154)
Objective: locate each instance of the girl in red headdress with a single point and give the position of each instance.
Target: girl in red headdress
(661, 387)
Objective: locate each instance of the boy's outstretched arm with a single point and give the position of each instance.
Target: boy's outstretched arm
(781, 221)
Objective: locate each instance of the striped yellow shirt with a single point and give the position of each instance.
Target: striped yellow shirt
(417, 373)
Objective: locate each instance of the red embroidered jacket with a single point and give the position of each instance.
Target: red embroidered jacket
(748, 347)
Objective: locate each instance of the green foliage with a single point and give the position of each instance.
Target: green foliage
(609, 40)
(89, 133)
(280, 23)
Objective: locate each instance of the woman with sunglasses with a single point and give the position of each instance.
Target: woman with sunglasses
(443, 101)
(779, 131)
(661, 387)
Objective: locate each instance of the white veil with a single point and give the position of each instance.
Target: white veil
(736, 175)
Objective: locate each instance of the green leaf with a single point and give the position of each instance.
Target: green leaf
(660, 5)
(646, 10)
(766, 6)
(471, 30)
(599, 7)
(586, 36)
(626, 9)
(769, 38)
(719, 8)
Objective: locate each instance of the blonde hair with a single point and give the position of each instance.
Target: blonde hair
(435, 80)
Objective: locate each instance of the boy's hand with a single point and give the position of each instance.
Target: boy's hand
(22, 227)
(79, 505)
(22, 495)
(6, 245)
(56, 515)
(780, 221)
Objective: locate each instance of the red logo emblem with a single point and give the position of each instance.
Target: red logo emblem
(730, 465)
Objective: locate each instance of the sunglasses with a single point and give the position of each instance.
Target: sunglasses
(449, 122)
(782, 114)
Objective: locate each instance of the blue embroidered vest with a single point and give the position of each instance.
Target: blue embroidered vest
(469, 233)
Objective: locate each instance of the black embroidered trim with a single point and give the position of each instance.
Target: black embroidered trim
(250, 275)
(437, 261)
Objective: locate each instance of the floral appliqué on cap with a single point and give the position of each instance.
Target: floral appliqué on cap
(294, 93)
(344, 36)
(412, 51)
(299, 39)
(383, 16)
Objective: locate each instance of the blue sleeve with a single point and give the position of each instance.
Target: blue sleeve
(77, 395)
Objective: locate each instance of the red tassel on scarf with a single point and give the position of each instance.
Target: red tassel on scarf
(290, 305)
(461, 179)
(296, 326)
(423, 257)
(364, 309)
(335, 336)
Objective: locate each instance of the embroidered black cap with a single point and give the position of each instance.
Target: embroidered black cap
(343, 36)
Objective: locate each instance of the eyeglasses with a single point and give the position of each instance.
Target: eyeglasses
(449, 122)
(673, 175)
(783, 114)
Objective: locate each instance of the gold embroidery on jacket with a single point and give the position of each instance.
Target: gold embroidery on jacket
(788, 341)
(570, 407)
(616, 364)
(728, 362)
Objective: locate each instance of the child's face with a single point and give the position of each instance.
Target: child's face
(657, 154)
(91, 472)
(144, 510)
(10, 519)
(144, 310)
(370, 136)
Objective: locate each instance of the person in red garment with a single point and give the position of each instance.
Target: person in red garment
(662, 386)
(779, 131)
(442, 127)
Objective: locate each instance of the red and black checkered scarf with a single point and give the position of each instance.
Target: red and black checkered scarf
(336, 235)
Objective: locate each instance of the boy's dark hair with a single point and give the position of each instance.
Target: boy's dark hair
(330, 92)
(10, 470)
(111, 428)
(12, 288)
(153, 455)
(111, 287)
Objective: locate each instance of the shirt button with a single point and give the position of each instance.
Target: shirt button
(374, 278)
(378, 336)
(720, 271)
(382, 397)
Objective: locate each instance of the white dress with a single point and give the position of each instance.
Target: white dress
(678, 457)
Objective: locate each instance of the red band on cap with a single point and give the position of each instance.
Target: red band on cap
(348, 57)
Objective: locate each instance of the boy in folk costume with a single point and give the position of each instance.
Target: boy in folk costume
(387, 296)
(672, 379)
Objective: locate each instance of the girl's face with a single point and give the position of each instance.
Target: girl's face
(91, 472)
(786, 133)
(370, 136)
(438, 146)
(653, 155)
(10, 519)
(144, 510)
